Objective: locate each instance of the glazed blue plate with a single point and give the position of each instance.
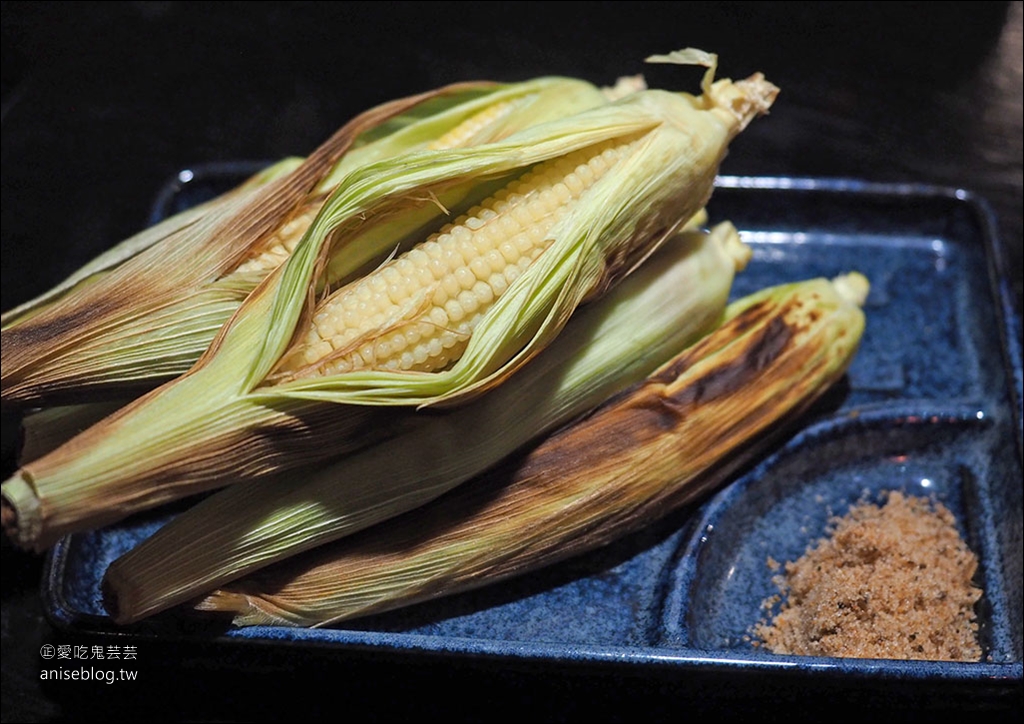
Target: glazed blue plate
(930, 406)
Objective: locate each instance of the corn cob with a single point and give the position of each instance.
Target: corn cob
(431, 298)
(608, 345)
(233, 416)
(668, 441)
(144, 312)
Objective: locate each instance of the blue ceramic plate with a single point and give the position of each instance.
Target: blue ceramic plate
(931, 406)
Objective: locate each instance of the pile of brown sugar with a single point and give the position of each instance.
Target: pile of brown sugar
(891, 581)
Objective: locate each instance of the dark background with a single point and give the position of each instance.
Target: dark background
(103, 103)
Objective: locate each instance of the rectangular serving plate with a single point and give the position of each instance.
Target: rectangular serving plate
(942, 345)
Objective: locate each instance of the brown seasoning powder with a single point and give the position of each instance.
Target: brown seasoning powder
(889, 582)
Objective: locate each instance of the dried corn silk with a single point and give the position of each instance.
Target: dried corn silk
(890, 582)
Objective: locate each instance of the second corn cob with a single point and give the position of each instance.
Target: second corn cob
(646, 452)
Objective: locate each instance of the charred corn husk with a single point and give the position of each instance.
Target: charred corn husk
(664, 443)
(141, 241)
(257, 402)
(145, 311)
(607, 345)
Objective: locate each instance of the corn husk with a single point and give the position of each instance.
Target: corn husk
(663, 444)
(143, 240)
(44, 430)
(222, 421)
(610, 344)
(145, 311)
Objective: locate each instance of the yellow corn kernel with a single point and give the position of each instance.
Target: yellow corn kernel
(418, 311)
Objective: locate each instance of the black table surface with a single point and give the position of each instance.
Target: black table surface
(105, 102)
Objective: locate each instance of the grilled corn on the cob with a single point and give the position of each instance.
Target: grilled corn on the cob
(669, 440)
(145, 311)
(243, 412)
